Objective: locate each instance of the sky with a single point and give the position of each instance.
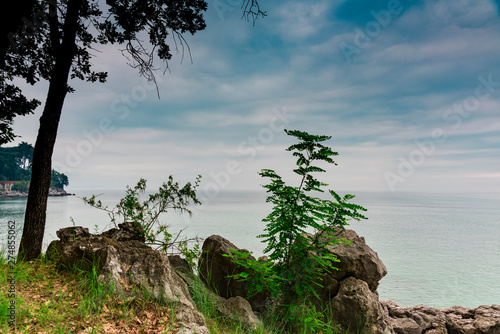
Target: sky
(409, 91)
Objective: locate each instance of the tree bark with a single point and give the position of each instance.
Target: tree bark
(36, 207)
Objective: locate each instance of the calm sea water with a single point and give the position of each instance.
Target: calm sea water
(440, 250)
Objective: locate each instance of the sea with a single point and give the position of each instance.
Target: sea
(440, 250)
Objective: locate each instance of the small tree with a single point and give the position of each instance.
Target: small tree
(170, 196)
(297, 256)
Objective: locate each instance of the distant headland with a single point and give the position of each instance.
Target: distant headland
(6, 191)
(15, 173)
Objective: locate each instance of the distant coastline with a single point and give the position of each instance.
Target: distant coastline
(18, 194)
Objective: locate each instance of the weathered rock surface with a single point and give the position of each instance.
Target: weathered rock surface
(355, 306)
(216, 270)
(351, 291)
(122, 257)
(352, 294)
(428, 320)
(239, 308)
(357, 259)
(180, 265)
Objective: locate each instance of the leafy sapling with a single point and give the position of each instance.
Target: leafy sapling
(299, 228)
(170, 196)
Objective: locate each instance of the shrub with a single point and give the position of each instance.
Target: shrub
(297, 258)
(170, 196)
(22, 186)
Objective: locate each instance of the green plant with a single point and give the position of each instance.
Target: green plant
(22, 186)
(298, 232)
(170, 196)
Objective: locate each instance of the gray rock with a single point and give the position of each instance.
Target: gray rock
(454, 320)
(356, 308)
(121, 257)
(216, 270)
(357, 259)
(238, 308)
(125, 232)
(487, 319)
(405, 326)
(180, 265)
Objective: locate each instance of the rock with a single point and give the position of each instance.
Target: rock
(238, 308)
(405, 326)
(418, 319)
(70, 233)
(454, 320)
(357, 259)
(352, 290)
(216, 270)
(356, 308)
(487, 319)
(180, 265)
(122, 257)
(126, 232)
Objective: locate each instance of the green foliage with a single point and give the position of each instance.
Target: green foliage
(297, 256)
(58, 180)
(170, 196)
(34, 52)
(15, 165)
(22, 186)
(15, 162)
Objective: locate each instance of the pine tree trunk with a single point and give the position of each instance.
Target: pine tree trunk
(36, 207)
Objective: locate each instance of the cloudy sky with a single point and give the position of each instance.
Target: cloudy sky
(408, 90)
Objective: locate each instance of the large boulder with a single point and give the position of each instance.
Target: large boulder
(122, 257)
(357, 259)
(356, 308)
(351, 291)
(216, 269)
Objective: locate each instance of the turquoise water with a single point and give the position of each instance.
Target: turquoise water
(440, 250)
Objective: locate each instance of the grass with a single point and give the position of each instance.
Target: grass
(52, 301)
(49, 300)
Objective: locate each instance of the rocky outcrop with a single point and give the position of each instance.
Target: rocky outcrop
(351, 291)
(456, 320)
(216, 270)
(122, 257)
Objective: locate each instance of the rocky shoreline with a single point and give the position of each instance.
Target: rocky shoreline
(454, 320)
(350, 293)
(17, 194)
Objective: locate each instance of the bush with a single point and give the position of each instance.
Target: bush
(21, 187)
(170, 196)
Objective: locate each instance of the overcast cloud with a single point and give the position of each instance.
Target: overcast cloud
(408, 90)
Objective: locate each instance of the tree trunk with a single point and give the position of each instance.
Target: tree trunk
(36, 208)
